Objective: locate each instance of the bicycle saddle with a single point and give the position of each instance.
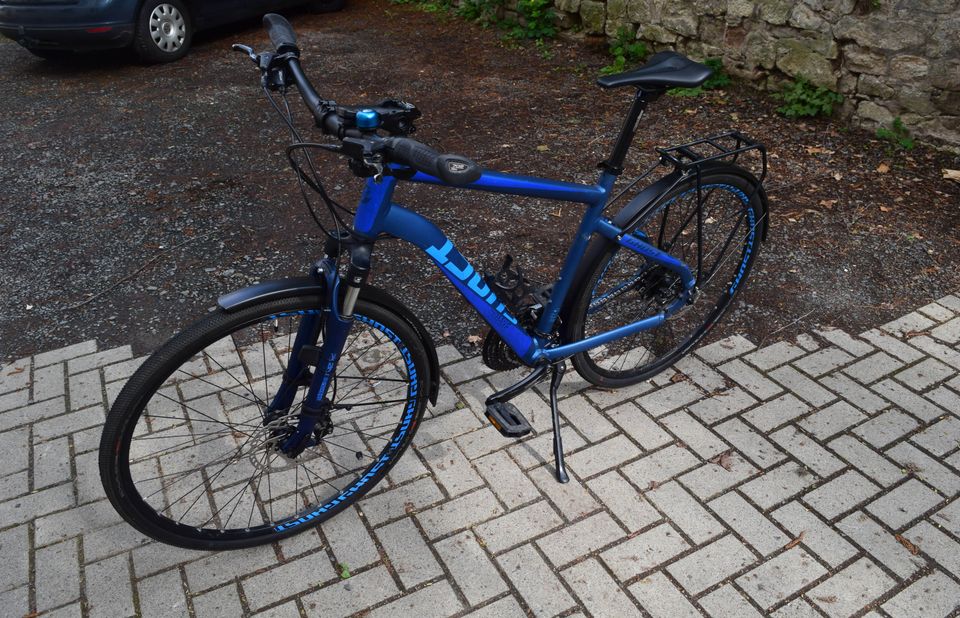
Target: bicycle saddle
(664, 69)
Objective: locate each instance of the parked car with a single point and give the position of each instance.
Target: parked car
(158, 30)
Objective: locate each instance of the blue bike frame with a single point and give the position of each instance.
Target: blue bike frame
(377, 214)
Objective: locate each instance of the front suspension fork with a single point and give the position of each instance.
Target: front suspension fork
(334, 323)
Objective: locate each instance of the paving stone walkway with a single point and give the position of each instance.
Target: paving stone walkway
(810, 477)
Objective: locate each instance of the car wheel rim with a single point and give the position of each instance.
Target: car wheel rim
(167, 27)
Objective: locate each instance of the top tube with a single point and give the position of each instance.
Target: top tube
(528, 186)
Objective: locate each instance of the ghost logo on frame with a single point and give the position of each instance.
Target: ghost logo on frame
(467, 275)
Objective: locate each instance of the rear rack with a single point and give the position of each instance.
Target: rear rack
(726, 145)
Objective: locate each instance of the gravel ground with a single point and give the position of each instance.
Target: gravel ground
(133, 196)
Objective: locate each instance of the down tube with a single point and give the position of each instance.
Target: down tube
(417, 230)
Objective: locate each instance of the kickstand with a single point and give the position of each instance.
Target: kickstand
(555, 379)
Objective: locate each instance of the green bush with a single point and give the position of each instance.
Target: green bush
(899, 134)
(483, 11)
(537, 20)
(626, 52)
(801, 99)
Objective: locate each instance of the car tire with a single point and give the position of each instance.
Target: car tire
(326, 6)
(164, 31)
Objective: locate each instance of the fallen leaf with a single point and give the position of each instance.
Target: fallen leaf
(883, 168)
(558, 214)
(910, 334)
(678, 377)
(913, 549)
(953, 175)
(16, 371)
(474, 339)
(344, 570)
(828, 599)
(652, 485)
(828, 204)
(796, 541)
(885, 209)
(543, 148)
(724, 460)
(818, 150)
(837, 176)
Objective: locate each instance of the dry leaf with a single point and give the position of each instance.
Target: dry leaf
(828, 599)
(818, 150)
(543, 148)
(837, 176)
(796, 541)
(653, 485)
(677, 377)
(885, 209)
(16, 371)
(724, 460)
(883, 168)
(828, 204)
(953, 175)
(474, 339)
(913, 549)
(910, 334)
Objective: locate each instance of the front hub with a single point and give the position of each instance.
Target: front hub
(312, 425)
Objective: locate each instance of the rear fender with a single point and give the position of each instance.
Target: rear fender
(309, 286)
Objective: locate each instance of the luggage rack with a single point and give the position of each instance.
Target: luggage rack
(731, 144)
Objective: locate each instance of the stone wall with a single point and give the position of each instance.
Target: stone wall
(887, 57)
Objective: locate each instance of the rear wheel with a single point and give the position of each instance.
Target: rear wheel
(188, 458)
(164, 31)
(623, 287)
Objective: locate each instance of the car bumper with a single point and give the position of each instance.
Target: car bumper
(89, 36)
(68, 24)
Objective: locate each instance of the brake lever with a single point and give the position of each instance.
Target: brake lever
(247, 50)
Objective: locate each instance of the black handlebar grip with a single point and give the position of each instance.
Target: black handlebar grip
(450, 168)
(281, 33)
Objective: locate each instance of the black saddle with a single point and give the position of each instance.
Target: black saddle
(664, 69)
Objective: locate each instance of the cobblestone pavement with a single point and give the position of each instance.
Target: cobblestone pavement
(810, 477)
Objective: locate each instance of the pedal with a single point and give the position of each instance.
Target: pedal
(507, 419)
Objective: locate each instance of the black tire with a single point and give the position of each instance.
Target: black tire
(620, 286)
(326, 6)
(164, 31)
(145, 461)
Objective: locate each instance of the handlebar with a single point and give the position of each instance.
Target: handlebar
(452, 169)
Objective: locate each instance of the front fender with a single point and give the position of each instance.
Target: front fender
(310, 286)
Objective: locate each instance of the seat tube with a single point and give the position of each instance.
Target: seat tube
(614, 164)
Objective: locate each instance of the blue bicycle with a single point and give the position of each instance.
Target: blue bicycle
(298, 396)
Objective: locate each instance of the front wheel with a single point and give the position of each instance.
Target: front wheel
(189, 457)
(164, 31)
(716, 230)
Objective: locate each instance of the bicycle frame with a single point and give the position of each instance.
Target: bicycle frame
(377, 213)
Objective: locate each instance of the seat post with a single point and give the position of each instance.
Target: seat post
(614, 164)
